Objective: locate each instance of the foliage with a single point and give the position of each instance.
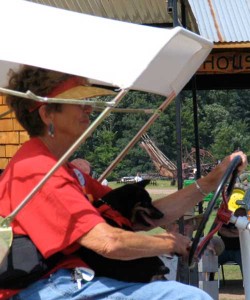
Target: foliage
(223, 118)
(229, 138)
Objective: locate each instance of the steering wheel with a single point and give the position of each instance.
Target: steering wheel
(197, 249)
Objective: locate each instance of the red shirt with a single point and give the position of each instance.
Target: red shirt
(59, 213)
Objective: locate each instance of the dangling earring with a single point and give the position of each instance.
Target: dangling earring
(51, 130)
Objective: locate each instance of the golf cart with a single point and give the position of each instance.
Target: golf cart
(164, 69)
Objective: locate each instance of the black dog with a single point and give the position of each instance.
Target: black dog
(133, 202)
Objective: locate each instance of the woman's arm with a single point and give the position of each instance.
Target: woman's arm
(120, 244)
(117, 243)
(175, 205)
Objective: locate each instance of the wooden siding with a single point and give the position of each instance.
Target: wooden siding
(12, 135)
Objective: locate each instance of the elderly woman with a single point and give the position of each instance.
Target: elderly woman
(60, 218)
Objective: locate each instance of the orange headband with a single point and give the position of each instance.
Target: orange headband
(63, 86)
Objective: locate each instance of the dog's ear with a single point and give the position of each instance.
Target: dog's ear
(143, 183)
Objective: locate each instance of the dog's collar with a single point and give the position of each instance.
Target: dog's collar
(107, 211)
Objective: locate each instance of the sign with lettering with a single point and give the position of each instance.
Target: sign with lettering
(226, 62)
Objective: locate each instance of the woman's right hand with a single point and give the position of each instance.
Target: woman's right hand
(177, 243)
(211, 181)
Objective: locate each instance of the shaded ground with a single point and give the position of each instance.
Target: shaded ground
(232, 290)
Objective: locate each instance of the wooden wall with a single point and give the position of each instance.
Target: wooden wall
(12, 135)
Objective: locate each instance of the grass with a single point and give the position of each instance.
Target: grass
(160, 184)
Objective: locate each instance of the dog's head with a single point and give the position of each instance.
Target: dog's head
(134, 203)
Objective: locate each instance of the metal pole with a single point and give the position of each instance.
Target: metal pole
(196, 133)
(179, 143)
(183, 14)
(182, 270)
(175, 14)
(245, 256)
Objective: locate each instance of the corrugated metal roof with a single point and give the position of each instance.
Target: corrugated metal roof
(218, 20)
(223, 20)
(135, 11)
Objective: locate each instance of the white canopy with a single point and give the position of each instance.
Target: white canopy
(115, 53)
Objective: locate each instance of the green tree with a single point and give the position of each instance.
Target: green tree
(212, 118)
(220, 129)
(228, 138)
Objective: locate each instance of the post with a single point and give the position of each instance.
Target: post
(245, 256)
(208, 265)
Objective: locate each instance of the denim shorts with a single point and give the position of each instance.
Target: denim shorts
(60, 285)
